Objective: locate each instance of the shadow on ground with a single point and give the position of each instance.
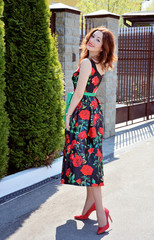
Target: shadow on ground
(126, 137)
(133, 134)
(69, 231)
(15, 212)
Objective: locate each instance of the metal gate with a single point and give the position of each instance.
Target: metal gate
(135, 89)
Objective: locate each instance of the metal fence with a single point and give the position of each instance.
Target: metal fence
(135, 73)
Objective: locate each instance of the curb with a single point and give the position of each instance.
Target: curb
(22, 181)
(22, 191)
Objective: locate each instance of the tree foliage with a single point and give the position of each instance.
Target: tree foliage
(3, 115)
(34, 85)
(115, 6)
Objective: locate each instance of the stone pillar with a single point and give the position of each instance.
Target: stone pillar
(107, 90)
(67, 27)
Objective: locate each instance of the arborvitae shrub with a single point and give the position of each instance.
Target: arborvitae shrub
(3, 115)
(34, 85)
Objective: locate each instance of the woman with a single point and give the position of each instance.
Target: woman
(82, 162)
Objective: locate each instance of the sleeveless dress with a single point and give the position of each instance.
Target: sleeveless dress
(82, 154)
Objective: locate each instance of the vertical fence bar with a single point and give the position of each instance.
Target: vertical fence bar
(152, 67)
(89, 25)
(144, 62)
(149, 72)
(85, 25)
(135, 52)
(137, 67)
(132, 66)
(122, 55)
(141, 62)
(118, 66)
(124, 72)
(127, 68)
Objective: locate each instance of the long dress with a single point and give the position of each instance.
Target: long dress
(82, 154)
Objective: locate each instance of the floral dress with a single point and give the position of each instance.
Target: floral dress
(82, 155)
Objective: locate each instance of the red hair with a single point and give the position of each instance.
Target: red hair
(107, 56)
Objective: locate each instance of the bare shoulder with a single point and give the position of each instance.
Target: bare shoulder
(86, 64)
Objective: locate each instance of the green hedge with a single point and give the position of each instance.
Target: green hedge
(3, 115)
(34, 85)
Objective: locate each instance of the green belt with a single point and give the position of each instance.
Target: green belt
(69, 97)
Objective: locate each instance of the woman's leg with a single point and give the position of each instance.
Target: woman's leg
(101, 217)
(89, 200)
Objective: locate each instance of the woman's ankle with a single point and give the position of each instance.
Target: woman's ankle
(87, 206)
(101, 218)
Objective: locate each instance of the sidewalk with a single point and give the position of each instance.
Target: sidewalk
(19, 183)
(46, 213)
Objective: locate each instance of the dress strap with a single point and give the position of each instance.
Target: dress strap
(94, 65)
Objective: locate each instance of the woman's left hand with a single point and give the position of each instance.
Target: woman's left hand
(67, 124)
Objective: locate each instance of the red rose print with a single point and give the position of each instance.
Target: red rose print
(74, 142)
(93, 71)
(94, 104)
(75, 74)
(64, 150)
(67, 139)
(96, 117)
(62, 181)
(100, 130)
(77, 161)
(87, 170)
(92, 132)
(68, 172)
(82, 135)
(72, 157)
(78, 181)
(99, 154)
(69, 148)
(94, 185)
(84, 114)
(76, 125)
(95, 89)
(101, 184)
(95, 80)
(85, 90)
(90, 150)
(75, 117)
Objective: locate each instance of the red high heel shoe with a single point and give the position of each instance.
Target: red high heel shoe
(85, 216)
(103, 229)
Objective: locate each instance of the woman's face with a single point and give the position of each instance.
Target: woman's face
(95, 42)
